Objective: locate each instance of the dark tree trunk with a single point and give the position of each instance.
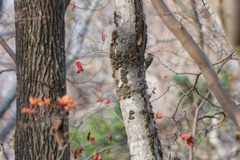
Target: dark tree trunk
(41, 71)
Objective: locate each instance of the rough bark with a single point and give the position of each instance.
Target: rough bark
(127, 58)
(40, 63)
(228, 11)
(200, 58)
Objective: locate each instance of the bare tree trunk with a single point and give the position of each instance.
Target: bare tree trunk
(228, 11)
(127, 59)
(200, 58)
(40, 63)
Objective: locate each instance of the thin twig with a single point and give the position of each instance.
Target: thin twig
(75, 132)
(7, 48)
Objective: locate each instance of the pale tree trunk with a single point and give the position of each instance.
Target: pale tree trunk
(41, 72)
(200, 58)
(127, 59)
(228, 11)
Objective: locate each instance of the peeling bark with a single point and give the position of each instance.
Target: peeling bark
(40, 61)
(127, 58)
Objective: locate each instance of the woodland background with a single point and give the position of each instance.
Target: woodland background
(86, 29)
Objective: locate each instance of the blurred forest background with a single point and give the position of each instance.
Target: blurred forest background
(173, 73)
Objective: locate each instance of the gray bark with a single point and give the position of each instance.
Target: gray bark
(127, 59)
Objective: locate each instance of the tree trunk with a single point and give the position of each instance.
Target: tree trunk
(41, 72)
(228, 11)
(127, 59)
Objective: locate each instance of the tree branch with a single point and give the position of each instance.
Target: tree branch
(227, 103)
(7, 101)
(7, 48)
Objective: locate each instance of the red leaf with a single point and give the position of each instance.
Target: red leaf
(103, 37)
(149, 95)
(110, 137)
(88, 136)
(92, 140)
(79, 65)
(186, 136)
(153, 91)
(158, 115)
(190, 141)
(73, 5)
(74, 151)
(108, 101)
(80, 149)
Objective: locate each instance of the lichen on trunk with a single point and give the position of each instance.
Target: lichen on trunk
(127, 58)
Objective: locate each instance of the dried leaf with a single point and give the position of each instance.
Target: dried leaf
(58, 133)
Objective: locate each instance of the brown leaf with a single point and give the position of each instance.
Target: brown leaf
(57, 129)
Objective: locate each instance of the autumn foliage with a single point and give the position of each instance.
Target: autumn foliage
(76, 150)
(38, 101)
(66, 100)
(158, 116)
(79, 66)
(106, 100)
(73, 6)
(97, 156)
(28, 110)
(186, 136)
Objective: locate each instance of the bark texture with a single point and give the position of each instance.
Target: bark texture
(212, 80)
(40, 61)
(127, 58)
(228, 11)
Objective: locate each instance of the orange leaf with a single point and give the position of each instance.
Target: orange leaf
(95, 155)
(99, 157)
(65, 100)
(68, 107)
(185, 135)
(46, 101)
(158, 115)
(36, 101)
(27, 110)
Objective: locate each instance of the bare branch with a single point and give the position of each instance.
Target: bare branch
(9, 126)
(7, 48)
(230, 107)
(7, 101)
